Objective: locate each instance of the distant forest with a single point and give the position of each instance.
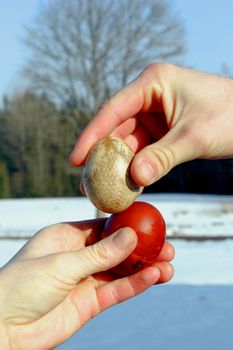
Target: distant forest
(198, 176)
(36, 138)
(35, 141)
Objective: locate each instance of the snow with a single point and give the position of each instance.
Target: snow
(185, 215)
(196, 263)
(23, 217)
(177, 317)
(209, 262)
(193, 311)
(195, 215)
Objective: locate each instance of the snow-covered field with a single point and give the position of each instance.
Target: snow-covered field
(185, 215)
(198, 263)
(194, 311)
(171, 317)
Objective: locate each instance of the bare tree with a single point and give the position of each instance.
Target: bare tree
(84, 50)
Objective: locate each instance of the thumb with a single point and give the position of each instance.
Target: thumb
(157, 159)
(100, 256)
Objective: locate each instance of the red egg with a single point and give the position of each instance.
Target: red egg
(150, 228)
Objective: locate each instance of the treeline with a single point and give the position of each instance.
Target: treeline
(198, 176)
(36, 138)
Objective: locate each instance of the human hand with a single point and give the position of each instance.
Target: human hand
(168, 115)
(59, 280)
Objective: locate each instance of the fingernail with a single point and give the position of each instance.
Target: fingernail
(75, 156)
(124, 238)
(147, 173)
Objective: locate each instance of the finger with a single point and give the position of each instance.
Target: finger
(138, 139)
(98, 257)
(84, 303)
(62, 237)
(166, 271)
(167, 253)
(53, 239)
(124, 105)
(127, 287)
(157, 159)
(155, 123)
(90, 230)
(126, 128)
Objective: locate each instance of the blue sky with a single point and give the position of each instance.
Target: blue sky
(209, 26)
(14, 14)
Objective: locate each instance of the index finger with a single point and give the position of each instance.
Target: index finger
(122, 106)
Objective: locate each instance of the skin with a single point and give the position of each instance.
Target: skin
(168, 115)
(59, 280)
